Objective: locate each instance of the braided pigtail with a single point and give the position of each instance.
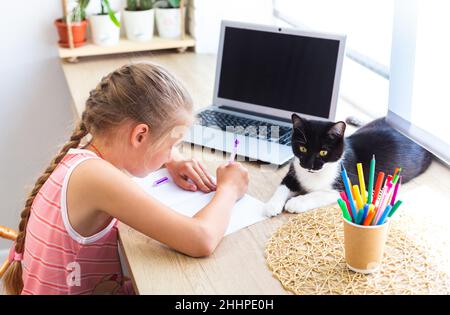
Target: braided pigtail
(13, 282)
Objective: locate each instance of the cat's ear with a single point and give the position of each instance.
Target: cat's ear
(297, 121)
(337, 130)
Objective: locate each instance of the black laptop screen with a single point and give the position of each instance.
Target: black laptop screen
(288, 72)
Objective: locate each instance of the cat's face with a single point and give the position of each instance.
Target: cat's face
(315, 142)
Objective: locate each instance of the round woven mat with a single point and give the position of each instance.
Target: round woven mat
(306, 255)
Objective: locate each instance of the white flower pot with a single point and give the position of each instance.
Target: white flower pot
(139, 24)
(104, 31)
(168, 22)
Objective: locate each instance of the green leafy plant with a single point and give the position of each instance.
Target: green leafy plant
(139, 5)
(167, 4)
(105, 5)
(78, 13)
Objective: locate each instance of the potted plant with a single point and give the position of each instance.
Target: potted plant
(139, 19)
(78, 25)
(168, 18)
(105, 26)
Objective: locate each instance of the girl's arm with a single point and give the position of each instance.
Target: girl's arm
(96, 184)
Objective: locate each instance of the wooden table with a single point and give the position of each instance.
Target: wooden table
(238, 265)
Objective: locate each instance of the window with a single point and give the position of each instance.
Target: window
(419, 104)
(368, 26)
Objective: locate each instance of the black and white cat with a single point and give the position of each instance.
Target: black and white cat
(313, 179)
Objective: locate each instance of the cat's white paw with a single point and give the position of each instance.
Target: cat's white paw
(297, 204)
(311, 201)
(276, 204)
(273, 208)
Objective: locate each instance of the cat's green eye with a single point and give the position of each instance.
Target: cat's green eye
(303, 149)
(323, 153)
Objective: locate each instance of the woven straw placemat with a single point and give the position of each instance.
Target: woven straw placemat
(306, 255)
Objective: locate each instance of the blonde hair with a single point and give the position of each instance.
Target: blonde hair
(142, 93)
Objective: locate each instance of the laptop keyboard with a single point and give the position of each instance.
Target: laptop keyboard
(246, 126)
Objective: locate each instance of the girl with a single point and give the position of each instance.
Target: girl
(67, 242)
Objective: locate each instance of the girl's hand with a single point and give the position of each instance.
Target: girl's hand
(233, 177)
(191, 175)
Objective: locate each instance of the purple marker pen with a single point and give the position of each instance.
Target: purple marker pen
(160, 181)
(233, 155)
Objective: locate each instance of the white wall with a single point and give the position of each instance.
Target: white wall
(35, 112)
(204, 18)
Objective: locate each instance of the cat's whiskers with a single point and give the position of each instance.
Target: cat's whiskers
(318, 180)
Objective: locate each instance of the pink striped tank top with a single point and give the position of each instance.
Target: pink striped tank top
(57, 259)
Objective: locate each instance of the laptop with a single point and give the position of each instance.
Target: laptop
(263, 75)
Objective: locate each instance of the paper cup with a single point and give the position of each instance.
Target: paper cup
(364, 246)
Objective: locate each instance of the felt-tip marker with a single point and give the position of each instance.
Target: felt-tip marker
(233, 155)
(160, 181)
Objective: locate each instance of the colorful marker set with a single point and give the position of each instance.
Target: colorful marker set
(374, 206)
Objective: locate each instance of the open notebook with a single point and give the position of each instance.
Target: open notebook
(246, 211)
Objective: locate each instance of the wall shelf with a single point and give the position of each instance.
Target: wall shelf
(126, 46)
